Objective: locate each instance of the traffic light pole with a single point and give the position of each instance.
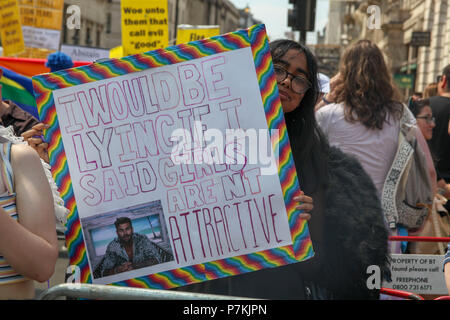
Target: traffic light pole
(302, 37)
(302, 17)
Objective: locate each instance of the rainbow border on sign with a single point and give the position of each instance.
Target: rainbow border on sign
(254, 37)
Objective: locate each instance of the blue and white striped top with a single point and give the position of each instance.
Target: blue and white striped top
(8, 203)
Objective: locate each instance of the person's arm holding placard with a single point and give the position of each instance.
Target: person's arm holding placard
(28, 243)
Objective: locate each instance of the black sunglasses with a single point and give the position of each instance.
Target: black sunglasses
(428, 119)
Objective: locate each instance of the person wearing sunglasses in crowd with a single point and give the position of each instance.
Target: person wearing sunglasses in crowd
(345, 220)
(434, 225)
(425, 121)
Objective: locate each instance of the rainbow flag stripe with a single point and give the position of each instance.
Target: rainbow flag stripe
(255, 38)
(18, 88)
(275, 121)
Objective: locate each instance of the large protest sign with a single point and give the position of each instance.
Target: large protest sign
(41, 26)
(116, 52)
(10, 28)
(160, 138)
(187, 33)
(145, 25)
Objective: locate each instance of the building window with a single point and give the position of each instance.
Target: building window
(64, 34)
(64, 26)
(88, 37)
(415, 52)
(108, 22)
(97, 39)
(76, 36)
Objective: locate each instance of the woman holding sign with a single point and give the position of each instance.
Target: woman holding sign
(28, 242)
(346, 226)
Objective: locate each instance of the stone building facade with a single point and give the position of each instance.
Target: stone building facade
(203, 12)
(95, 25)
(433, 16)
(101, 22)
(399, 20)
(340, 30)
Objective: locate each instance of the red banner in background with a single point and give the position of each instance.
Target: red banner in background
(31, 67)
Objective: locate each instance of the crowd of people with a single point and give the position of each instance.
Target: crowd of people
(362, 114)
(344, 135)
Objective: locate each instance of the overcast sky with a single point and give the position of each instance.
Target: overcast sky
(273, 13)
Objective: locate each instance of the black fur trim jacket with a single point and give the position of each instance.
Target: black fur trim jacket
(355, 235)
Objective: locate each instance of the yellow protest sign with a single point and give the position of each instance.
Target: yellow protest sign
(43, 14)
(10, 28)
(41, 26)
(49, 4)
(26, 2)
(187, 33)
(145, 25)
(116, 52)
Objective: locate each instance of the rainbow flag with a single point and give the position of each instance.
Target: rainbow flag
(19, 89)
(16, 80)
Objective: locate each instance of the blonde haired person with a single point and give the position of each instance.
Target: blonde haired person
(28, 242)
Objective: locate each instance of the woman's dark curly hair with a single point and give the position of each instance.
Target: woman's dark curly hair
(367, 90)
(308, 143)
(416, 106)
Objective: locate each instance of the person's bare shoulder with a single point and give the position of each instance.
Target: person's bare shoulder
(23, 155)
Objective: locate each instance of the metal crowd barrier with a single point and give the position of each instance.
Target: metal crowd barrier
(443, 298)
(424, 239)
(106, 292)
(401, 294)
